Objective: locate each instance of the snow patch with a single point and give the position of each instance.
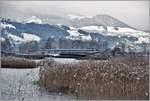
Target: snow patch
(25, 37)
(73, 32)
(72, 28)
(75, 17)
(121, 30)
(30, 37)
(34, 19)
(93, 28)
(87, 38)
(143, 40)
(115, 31)
(15, 38)
(4, 25)
(72, 17)
(2, 39)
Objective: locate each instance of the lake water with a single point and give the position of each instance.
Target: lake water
(20, 85)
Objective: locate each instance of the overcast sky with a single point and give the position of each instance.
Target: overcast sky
(134, 13)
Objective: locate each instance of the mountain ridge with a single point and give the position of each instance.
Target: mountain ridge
(62, 36)
(99, 20)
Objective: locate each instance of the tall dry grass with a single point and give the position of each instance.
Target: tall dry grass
(121, 79)
(14, 62)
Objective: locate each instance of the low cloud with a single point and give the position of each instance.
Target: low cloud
(134, 13)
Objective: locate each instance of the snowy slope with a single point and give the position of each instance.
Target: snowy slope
(115, 36)
(25, 38)
(114, 32)
(86, 38)
(30, 37)
(73, 33)
(120, 32)
(15, 38)
(127, 32)
(93, 28)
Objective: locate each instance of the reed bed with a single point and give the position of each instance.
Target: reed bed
(14, 62)
(116, 79)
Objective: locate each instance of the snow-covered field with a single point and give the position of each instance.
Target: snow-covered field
(61, 60)
(65, 60)
(20, 85)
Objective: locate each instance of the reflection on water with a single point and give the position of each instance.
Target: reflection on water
(20, 85)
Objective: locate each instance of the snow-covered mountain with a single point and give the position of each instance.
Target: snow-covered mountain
(118, 31)
(132, 38)
(98, 20)
(78, 21)
(101, 37)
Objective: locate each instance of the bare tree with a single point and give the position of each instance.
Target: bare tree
(29, 47)
(49, 43)
(63, 43)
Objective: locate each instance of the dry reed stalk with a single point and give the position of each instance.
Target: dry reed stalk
(13, 62)
(118, 79)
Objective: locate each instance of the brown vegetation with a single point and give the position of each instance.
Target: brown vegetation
(111, 79)
(13, 62)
